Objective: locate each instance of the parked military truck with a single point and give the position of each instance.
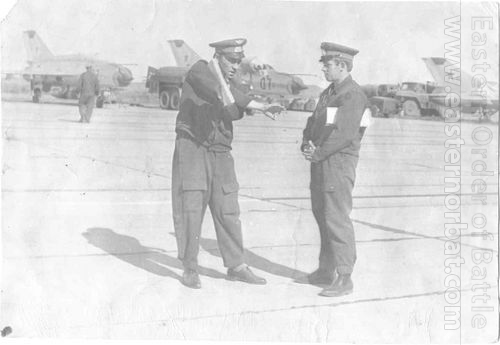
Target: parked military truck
(418, 99)
(166, 82)
(381, 98)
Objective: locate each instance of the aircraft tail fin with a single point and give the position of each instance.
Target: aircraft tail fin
(184, 55)
(444, 70)
(35, 47)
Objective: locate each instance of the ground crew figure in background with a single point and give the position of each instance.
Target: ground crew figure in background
(203, 171)
(331, 142)
(88, 86)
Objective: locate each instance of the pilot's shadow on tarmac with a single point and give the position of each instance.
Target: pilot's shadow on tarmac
(257, 261)
(130, 250)
(254, 260)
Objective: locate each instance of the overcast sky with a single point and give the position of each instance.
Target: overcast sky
(392, 37)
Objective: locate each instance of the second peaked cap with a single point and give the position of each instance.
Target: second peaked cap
(232, 47)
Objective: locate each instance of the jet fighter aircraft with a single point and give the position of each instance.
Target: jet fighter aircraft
(58, 74)
(476, 93)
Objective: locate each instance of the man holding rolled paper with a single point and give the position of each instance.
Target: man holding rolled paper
(203, 171)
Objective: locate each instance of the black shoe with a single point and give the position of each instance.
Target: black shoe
(341, 286)
(191, 279)
(318, 277)
(245, 275)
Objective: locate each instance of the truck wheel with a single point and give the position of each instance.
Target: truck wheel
(99, 102)
(164, 99)
(174, 99)
(411, 108)
(37, 94)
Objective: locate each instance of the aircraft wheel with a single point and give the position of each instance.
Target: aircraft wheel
(164, 99)
(37, 94)
(411, 108)
(175, 99)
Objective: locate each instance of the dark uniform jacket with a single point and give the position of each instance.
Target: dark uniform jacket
(88, 84)
(202, 114)
(341, 133)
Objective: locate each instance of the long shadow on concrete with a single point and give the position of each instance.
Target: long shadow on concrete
(130, 250)
(254, 260)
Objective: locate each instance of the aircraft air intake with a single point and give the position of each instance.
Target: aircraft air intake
(123, 76)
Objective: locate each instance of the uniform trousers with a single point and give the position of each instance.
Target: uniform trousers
(332, 182)
(201, 178)
(86, 106)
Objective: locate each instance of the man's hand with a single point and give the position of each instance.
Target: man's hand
(308, 151)
(273, 110)
(270, 110)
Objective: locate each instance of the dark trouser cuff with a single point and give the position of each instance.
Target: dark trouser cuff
(344, 270)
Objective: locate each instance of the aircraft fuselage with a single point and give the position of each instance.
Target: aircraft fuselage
(272, 83)
(59, 75)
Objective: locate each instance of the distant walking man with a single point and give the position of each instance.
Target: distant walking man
(331, 141)
(88, 86)
(203, 171)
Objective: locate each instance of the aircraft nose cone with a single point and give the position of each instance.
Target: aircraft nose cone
(124, 76)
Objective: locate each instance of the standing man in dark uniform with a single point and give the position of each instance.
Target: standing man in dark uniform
(88, 86)
(331, 142)
(203, 171)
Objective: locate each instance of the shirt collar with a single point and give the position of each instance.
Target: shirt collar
(338, 87)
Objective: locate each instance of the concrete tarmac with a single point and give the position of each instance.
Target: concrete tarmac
(89, 251)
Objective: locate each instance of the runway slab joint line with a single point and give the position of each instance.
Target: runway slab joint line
(93, 159)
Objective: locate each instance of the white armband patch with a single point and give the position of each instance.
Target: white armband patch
(331, 112)
(366, 119)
